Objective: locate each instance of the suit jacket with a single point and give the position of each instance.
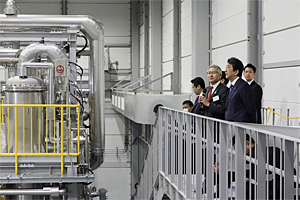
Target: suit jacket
(197, 107)
(257, 92)
(240, 106)
(217, 102)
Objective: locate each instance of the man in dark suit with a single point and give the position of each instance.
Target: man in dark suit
(249, 74)
(198, 86)
(214, 100)
(240, 106)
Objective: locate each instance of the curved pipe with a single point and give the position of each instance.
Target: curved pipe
(53, 51)
(93, 30)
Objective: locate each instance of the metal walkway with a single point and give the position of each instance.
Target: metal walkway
(195, 157)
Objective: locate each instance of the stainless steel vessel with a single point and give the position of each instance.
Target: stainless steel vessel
(30, 120)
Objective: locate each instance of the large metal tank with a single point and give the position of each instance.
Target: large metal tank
(30, 120)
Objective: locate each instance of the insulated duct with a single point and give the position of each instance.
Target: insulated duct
(53, 52)
(93, 30)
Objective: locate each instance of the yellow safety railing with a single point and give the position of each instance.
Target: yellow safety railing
(272, 111)
(6, 110)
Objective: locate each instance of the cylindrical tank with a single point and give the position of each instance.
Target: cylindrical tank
(30, 120)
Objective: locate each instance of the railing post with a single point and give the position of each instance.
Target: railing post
(223, 162)
(240, 163)
(261, 166)
(289, 190)
(199, 158)
(209, 159)
(188, 146)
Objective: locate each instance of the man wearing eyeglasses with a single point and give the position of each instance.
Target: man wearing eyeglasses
(215, 98)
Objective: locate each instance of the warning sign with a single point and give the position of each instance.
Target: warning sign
(60, 69)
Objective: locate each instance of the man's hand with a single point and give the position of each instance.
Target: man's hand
(203, 100)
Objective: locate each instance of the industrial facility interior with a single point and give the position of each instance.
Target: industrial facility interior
(80, 78)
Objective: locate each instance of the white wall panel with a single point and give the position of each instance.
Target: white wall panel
(220, 56)
(167, 34)
(230, 30)
(282, 46)
(186, 74)
(186, 44)
(186, 28)
(281, 14)
(167, 22)
(225, 9)
(167, 68)
(186, 9)
(116, 41)
(288, 98)
(273, 90)
(167, 53)
(168, 37)
(122, 56)
(186, 66)
(167, 6)
(115, 17)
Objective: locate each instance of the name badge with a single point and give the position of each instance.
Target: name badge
(216, 98)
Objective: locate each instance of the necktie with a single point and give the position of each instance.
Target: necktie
(231, 87)
(196, 101)
(209, 94)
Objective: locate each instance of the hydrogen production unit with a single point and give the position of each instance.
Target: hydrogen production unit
(52, 126)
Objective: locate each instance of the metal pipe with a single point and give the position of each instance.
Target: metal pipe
(30, 53)
(9, 53)
(53, 51)
(93, 30)
(45, 191)
(9, 60)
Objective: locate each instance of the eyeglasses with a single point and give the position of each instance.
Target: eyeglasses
(212, 72)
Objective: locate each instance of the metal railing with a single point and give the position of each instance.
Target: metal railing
(135, 86)
(26, 131)
(196, 157)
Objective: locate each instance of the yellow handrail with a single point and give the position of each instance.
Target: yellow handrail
(33, 127)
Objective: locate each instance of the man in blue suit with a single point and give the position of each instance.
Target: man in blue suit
(240, 105)
(198, 86)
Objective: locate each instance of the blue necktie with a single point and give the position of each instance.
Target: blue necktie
(231, 88)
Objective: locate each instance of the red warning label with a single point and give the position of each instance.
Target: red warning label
(60, 69)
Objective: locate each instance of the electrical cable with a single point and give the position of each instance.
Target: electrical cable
(90, 172)
(77, 66)
(85, 45)
(81, 109)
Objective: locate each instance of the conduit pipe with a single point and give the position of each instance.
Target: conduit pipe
(93, 30)
(9, 53)
(42, 192)
(8, 60)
